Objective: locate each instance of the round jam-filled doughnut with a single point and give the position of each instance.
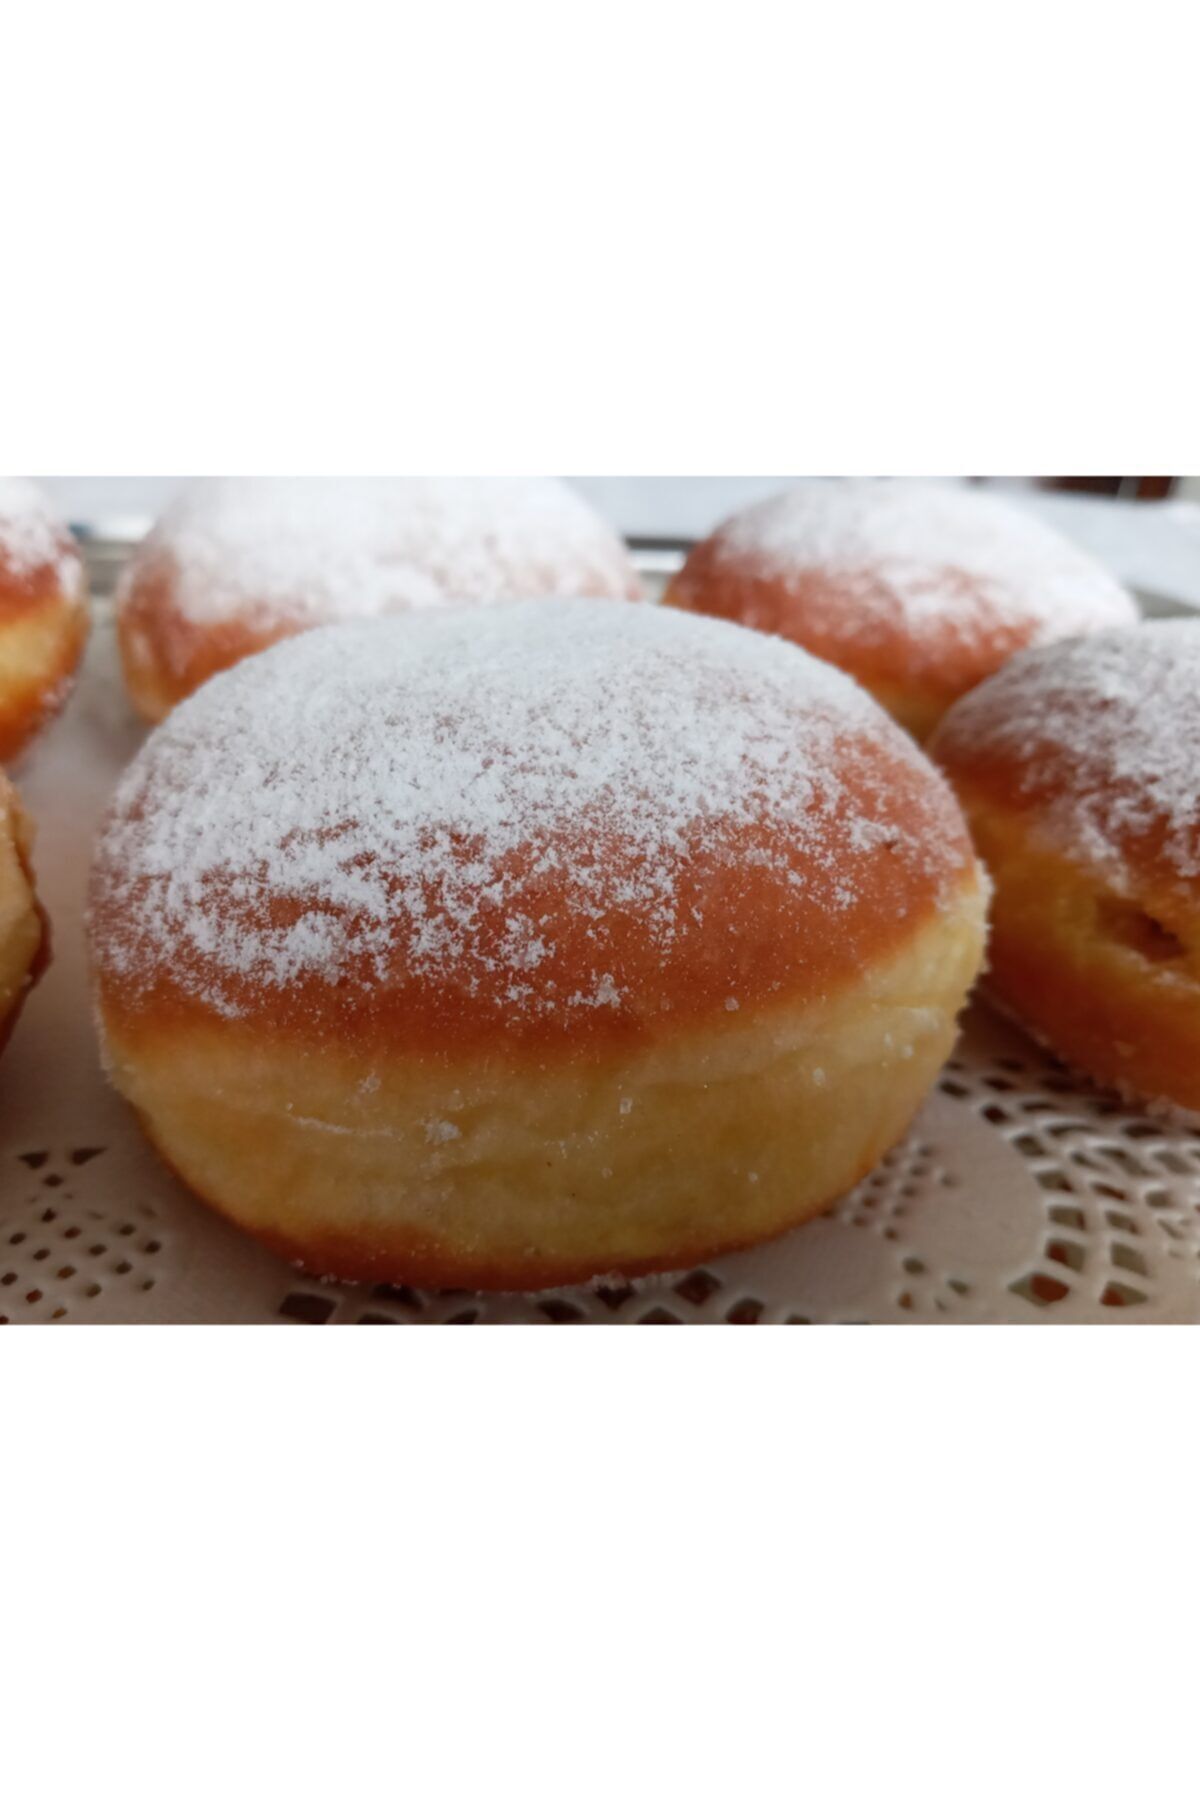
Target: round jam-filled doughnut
(235, 565)
(503, 949)
(1079, 769)
(919, 590)
(24, 939)
(43, 613)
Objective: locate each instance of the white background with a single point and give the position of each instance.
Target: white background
(675, 239)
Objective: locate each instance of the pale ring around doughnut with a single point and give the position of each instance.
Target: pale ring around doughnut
(24, 935)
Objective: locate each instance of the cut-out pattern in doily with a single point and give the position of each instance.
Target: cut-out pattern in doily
(60, 1252)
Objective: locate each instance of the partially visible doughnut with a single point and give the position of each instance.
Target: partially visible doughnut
(1079, 769)
(508, 948)
(235, 565)
(24, 937)
(43, 613)
(919, 590)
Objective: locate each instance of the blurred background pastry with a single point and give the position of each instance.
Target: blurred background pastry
(234, 565)
(24, 938)
(1079, 769)
(917, 589)
(43, 613)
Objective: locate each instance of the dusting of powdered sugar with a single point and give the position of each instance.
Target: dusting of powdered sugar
(1105, 732)
(30, 534)
(930, 552)
(369, 791)
(309, 551)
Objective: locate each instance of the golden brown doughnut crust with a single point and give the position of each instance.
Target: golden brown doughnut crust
(747, 930)
(164, 655)
(43, 630)
(1079, 769)
(814, 609)
(24, 930)
(917, 608)
(774, 938)
(751, 906)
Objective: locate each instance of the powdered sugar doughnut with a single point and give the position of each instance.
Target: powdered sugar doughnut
(1079, 767)
(508, 948)
(918, 590)
(235, 565)
(43, 613)
(24, 939)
